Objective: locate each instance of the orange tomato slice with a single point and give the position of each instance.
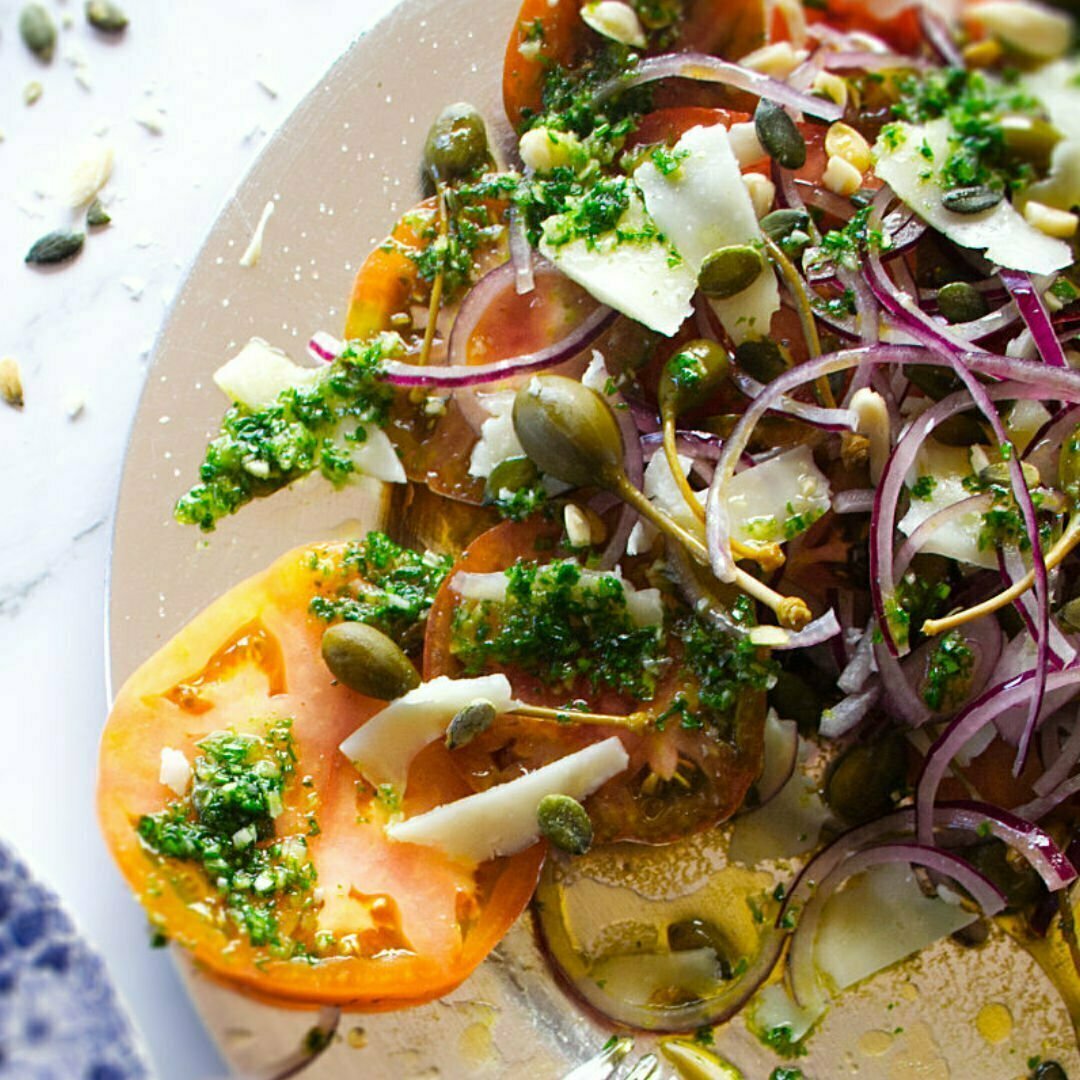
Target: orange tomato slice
(408, 924)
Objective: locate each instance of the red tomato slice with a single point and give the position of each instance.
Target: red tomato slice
(648, 803)
(409, 924)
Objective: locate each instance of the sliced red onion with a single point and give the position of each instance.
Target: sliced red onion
(1038, 808)
(1033, 311)
(835, 420)
(688, 442)
(821, 629)
(864, 60)
(581, 337)
(847, 714)
(1066, 756)
(854, 501)
(634, 466)
(811, 194)
(521, 255)
(324, 346)
(705, 68)
(939, 37)
(982, 711)
(803, 974)
(861, 665)
(902, 699)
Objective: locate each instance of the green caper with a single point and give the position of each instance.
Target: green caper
(468, 722)
(794, 698)
(779, 224)
(1029, 139)
(779, 135)
(936, 382)
(961, 302)
(762, 360)
(366, 660)
(971, 200)
(457, 144)
(564, 824)
(511, 474)
(688, 934)
(729, 270)
(569, 431)
(691, 376)
(862, 782)
(1049, 1070)
(1069, 466)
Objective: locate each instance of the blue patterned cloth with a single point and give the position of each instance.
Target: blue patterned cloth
(60, 1018)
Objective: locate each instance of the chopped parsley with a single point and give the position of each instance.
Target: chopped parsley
(308, 428)
(378, 582)
(668, 161)
(846, 246)
(923, 488)
(916, 599)
(522, 502)
(560, 627)
(973, 103)
(780, 1040)
(948, 674)
(226, 827)
(786, 1072)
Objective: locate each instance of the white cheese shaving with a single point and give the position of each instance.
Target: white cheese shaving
(502, 819)
(253, 252)
(643, 278)
(498, 439)
(258, 373)
(175, 770)
(777, 499)
(661, 489)
(383, 748)
(958, 538)
(1002, 232)
(704, 205)
(375, 455)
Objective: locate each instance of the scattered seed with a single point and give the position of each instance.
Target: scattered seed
(960, 302)
(97, 215)
(11, 389)
(32, 92)
(971, 200)
(468, 722)
(777, 132)
(729, 270)
(564, 824)
(56, 247)
(761, 360)
(781, 223)
(38, 31)
(107, 17)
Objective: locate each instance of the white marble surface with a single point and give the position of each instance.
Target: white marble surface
(83, 335)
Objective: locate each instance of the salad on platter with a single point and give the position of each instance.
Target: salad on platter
(738, 396)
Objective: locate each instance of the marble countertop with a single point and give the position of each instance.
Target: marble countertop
(186, 99)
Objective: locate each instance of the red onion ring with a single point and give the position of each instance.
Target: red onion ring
(846, 715)
(521, 255)
(1068, 754)
(705, 68)
(853, 501)
(834, 420)
(926, 528)
(1036, 317)
(1040, 807)
(936, 31)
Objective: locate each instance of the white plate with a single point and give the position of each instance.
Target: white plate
(341, 170)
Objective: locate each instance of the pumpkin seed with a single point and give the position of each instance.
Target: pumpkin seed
(971, 200)
(961, 302)
(56, 247)
(38, 31)
(511, 474)
(729, 270)
(468, 722)
(782, 223)
(106, 17)
(97, 215)
(779, 135)
(564, 824)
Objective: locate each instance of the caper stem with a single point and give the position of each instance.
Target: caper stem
(791, 611)
(768, 556)
(634, 721)
(806, 314)
(672, 454)
(435, 301)
(1066, 542)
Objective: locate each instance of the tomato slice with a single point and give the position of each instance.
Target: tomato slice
(679, 781)
(408, 924)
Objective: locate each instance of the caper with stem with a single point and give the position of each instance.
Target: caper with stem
(457, 144)
(572, 435)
